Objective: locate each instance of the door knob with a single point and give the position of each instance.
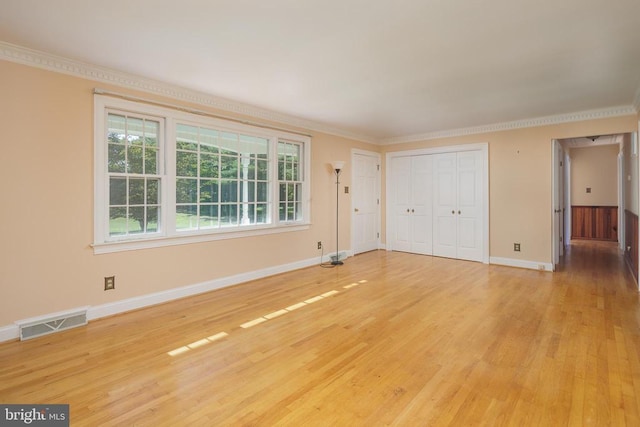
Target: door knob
(453, 212)
(356, 210)
(459, 212)
(412, 211)
(407, 210)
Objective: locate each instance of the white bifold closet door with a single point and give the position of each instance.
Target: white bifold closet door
(412, 204)
(457, 199)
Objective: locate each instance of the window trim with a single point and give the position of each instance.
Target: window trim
(168, 235)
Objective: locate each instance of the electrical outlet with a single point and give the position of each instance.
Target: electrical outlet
(516, 247)
(319, 245)
(109, 283)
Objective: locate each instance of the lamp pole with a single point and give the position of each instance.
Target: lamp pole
(337, 167)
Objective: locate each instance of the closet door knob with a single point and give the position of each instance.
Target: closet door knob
(407, 210)
(412, 211)
(459, 212)
(453, 212)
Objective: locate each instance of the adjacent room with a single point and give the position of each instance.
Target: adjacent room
(320, 213)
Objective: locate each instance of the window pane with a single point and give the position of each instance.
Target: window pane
(298, 211)
(117, 191)
(186, 164)
(228, 191)
(282, 211)
(116, 128)
(263, 172)
(228, 167)
(295, 172)
(253, 146)
(152, 219)
(117, 161)
(262, 191)
(186, 217)
(209, 191)
(186, 190)
(151, 129)
(208, 140)
(281, 170)
(251, 191)
(152, 191)
(208, 216)
(136, 191)
(117, 221)
(261, 213)
(228, 215)
(251, 169)
(135, 131)
(290, 193)
(283, 192)
(136, 219)
(229, 143)
(298, 192)
(151, 161)
(209, 165)
(134, 159)
(186, 137)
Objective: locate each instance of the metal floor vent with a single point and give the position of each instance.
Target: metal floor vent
(53, 324)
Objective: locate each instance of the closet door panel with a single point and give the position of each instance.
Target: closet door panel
(469, 212)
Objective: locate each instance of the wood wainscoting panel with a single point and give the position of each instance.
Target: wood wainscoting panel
(631, 241)
(594, 222)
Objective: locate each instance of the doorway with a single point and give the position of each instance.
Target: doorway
(589, 189)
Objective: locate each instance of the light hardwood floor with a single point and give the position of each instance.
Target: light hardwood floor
(387, 339)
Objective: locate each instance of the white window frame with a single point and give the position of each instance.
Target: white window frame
(168, 235)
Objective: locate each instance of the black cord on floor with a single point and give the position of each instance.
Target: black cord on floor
(324, 264)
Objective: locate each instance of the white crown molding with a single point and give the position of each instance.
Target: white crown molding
(50, 62)
(518, 124)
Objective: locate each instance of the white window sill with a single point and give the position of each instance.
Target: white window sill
(186, 238)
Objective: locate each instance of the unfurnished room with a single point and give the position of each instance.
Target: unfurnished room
(336, 213)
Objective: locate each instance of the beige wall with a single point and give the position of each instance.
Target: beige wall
(595, 168)
(46, 221)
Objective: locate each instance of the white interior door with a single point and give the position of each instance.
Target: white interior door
(469, 210)
(399, 197)
(365, 202)
(458, 205)
(421, 214)
(445, 223)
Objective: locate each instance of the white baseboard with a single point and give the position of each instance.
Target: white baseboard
(531, 265)
(11, 332)
(129, 304)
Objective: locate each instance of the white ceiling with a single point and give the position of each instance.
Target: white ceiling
(380, 69)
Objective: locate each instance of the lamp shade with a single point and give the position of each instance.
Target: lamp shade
(337, 165)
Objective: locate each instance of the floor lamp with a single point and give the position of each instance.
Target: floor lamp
(337, 167)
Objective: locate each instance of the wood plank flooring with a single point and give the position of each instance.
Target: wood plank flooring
(387, 339)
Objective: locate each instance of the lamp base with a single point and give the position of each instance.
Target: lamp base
(337, 263)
